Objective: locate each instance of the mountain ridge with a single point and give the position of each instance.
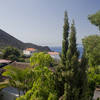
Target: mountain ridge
(8, 40)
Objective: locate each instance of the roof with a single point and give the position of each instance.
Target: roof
(20, 64)
(53, 53)
(23, 65)
(31, 49)
(4, 61)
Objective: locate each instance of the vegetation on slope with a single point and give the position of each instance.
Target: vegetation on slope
(8, 40)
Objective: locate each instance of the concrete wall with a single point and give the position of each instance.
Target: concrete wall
(7, 96)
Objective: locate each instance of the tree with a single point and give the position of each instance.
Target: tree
(71, 78)
(83, 79)
(60, 69)
(22, 79)
(92, 47)
(95, 19)
(59, 79)
(93, 79)
(12, 54)
(76, 85)
(44, 85)
(71, 67)
(41, 59)
(65, 39)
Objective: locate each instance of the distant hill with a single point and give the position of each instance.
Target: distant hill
(8, 40)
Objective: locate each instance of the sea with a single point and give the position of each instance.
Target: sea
(59, 49)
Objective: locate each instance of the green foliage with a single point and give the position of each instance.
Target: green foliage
(69, 81)
(92, 49)
(71, 77)
(93, 79)
(94, 74)
(72, 45)
(75, 72)
(43, 86)
(12, 54)
(41, 59)
(52, 96)
(22, 79)
(95, 19)
(59, 76)
(3, 85)
(59, 79)
(65, 39)
(83, 79)
(65, 92)
(71, 67)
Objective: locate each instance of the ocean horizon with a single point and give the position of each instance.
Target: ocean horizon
(59, 49)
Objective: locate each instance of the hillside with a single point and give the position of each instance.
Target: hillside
(8, 40)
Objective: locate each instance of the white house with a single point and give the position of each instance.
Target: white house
(54, 55)
(29, 51)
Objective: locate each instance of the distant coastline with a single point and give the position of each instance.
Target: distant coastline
(58, 49)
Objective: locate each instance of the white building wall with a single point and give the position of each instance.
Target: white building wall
(55, 56)
(28, 53)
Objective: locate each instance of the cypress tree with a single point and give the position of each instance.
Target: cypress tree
(65, 39)
(72, 50)
(76, 85)
(82, 79)
(60, 71)
(71, 67)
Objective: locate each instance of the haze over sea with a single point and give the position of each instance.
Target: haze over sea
(58, 49)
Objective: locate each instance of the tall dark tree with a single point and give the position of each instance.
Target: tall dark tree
(72, 65)
(65, 39)
(82, 79)
(76, 85)
(72, 50)
(60, 71)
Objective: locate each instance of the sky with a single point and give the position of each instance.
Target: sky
(41, 21)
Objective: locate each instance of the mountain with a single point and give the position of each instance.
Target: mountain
(8, 40)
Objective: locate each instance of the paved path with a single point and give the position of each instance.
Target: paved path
(96, 94)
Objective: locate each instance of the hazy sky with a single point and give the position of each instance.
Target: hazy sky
(41, 21)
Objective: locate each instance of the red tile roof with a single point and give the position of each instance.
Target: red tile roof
(4, 61)
(31, 49)
(53, 53)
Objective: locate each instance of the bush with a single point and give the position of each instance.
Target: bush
(12, 54)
